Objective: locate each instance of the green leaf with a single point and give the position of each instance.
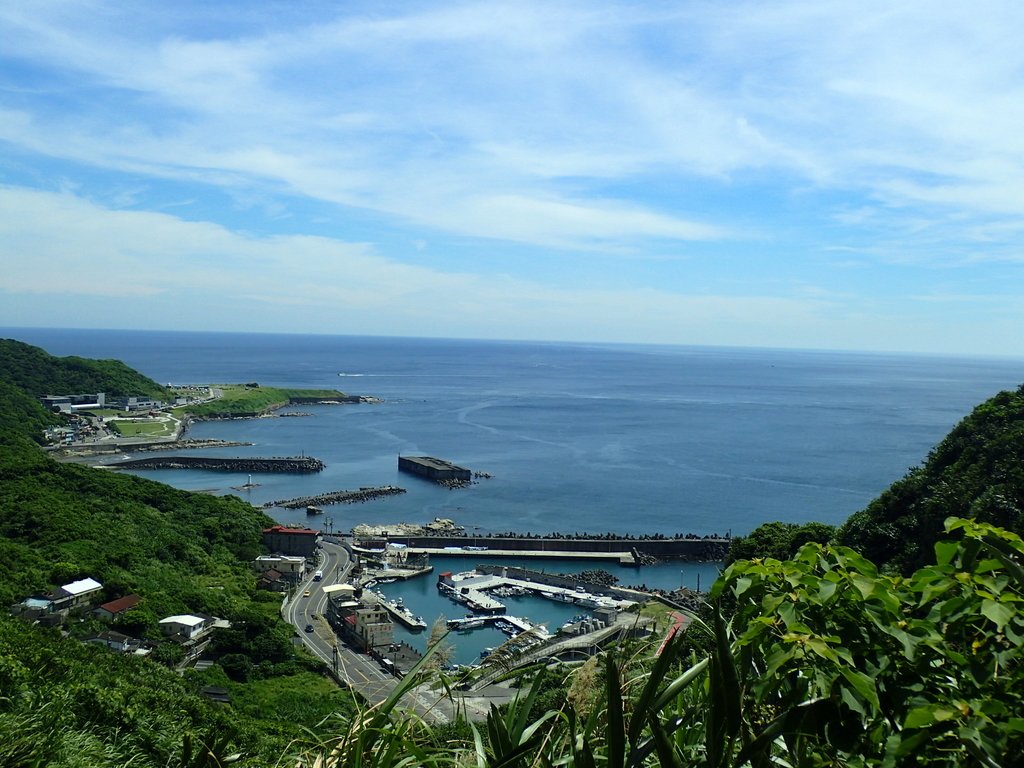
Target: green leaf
(945, 551)
(998, 613)
(864, 686)
(923, 717)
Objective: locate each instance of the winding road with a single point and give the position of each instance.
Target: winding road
(307, 606)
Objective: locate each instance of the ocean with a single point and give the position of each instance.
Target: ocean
(578, 437)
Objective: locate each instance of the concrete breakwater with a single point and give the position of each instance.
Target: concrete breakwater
(337, 497)
(291, 464)
(681, 548)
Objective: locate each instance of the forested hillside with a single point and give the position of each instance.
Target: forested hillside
(38, 373)
(977, 471)
(71, 704)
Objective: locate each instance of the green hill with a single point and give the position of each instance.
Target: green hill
(977, 471)
(38, 373)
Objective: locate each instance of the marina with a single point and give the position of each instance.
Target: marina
(473, 589)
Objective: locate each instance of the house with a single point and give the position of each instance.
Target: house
(291, 541)
(115, 641)
(186, 626)
(290, 567)
(115, 608)
(76, 593)
(272, 580)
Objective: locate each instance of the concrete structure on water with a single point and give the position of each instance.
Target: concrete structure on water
(437, 470)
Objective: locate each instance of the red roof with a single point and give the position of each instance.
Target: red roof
(122, 604)
(282, 529)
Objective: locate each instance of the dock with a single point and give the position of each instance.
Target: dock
(471, 589)
(401, 614)
(518, 625)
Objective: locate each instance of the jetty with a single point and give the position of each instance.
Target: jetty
(292, 464)
(367, 493)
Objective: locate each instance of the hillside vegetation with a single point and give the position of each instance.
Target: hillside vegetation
(38, 373)
(977, 471)
(183, 553)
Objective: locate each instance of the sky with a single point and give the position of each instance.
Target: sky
(818, 174)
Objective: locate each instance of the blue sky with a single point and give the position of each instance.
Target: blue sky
(792, 174)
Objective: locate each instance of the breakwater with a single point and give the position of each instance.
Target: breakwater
(292, 464)
(681, 547)
(337, 497)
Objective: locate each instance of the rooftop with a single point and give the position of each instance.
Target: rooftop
(80, 586)
(122, 604)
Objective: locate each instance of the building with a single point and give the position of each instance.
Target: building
(115, 641)
(289, 567)
(291, 541)
(115, 608)
(186, 626)
(69, 403)
(76, 593)
(363, 623)
(272, 580)
(137, 403)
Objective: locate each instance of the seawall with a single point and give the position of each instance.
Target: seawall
(696, 549)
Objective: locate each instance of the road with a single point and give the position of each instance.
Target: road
(359, 671)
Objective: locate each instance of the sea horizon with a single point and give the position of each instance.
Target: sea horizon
(628, 345)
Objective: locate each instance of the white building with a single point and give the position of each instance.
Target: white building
(77, 592)
(185, 626)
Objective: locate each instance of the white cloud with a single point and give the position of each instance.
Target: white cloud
(571, 131)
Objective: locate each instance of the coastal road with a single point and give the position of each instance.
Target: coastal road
(359, 671)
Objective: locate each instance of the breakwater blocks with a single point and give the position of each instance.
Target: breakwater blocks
(337, 497)
(438, 470)
(294, 464)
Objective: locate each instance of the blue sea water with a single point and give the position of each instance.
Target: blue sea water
(578, 437)
(629, 439)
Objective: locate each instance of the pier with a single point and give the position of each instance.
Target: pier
(294, 464)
